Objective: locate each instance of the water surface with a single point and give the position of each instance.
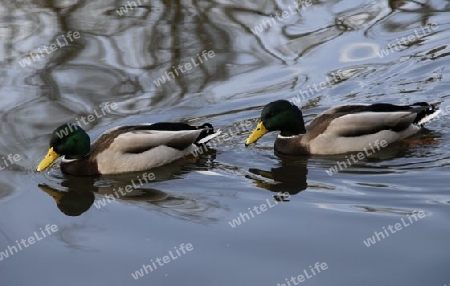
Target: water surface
(319, 56)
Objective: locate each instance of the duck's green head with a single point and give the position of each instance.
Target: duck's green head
(280, 115)
(69, 140)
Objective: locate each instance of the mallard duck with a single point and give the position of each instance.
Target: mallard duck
(124, 148)
(341, 129)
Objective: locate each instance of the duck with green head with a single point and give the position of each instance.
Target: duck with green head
(124, 148)
(341, 129)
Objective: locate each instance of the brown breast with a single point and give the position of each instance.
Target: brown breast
(291, 146)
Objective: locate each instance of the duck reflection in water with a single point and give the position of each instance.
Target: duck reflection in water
(80, 193)
(289, 178)
(74, 201)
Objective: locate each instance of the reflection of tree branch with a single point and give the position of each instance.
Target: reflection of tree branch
(176, 43)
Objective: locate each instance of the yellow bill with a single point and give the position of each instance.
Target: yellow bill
(48, 160)
(259, 131)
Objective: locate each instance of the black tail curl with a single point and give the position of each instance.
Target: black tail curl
(208, 129)
(426, 112)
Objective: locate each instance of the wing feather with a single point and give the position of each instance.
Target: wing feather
(364, 123)
(139, 141)
(140, 138)
(360, 119)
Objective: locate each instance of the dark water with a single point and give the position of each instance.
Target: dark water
(327, 218)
